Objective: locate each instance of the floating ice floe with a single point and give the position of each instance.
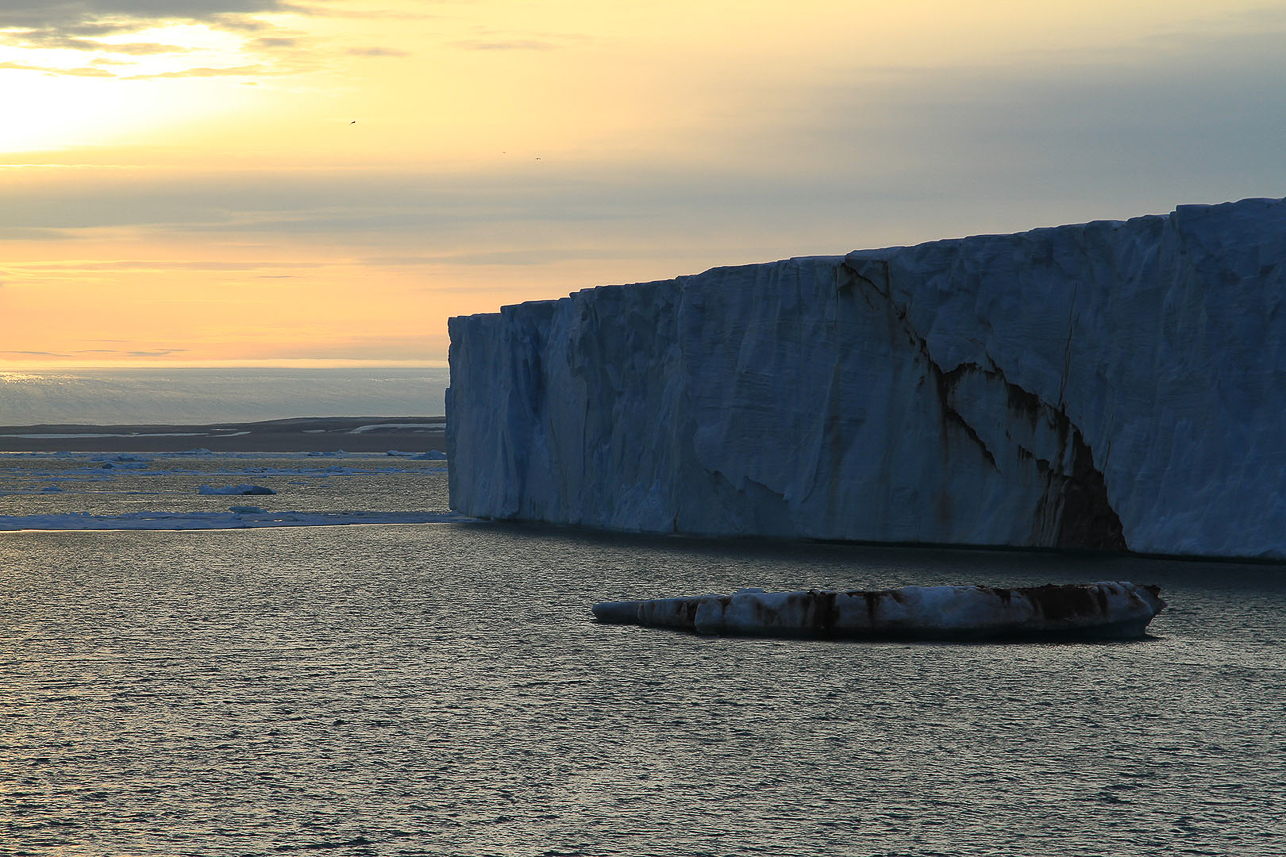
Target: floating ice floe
(231, 520)
(431, 455)
(1109, 610)
(435, 426)
(234, 489)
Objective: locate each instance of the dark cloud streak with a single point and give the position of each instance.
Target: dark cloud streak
(77, 24)
(375, 52)
(102, 17)
(73, 72)
(506, 45)
(238, 71)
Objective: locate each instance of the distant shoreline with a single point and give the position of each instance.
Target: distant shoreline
(304, 434)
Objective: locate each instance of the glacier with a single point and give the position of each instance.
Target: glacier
(1114, 385)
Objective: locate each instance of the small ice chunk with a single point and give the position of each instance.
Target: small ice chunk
(234, 489)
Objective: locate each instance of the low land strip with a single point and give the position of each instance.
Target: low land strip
(304, 434)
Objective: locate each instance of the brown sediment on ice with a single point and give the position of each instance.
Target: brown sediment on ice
(1106, 610)
(305, 434)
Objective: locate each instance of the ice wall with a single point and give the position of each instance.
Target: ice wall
(1108, 385)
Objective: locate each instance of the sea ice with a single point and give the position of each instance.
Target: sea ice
(234, 489)
(1109, 610)
(217, 520)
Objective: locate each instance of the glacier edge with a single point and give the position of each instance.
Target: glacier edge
(1111, 385)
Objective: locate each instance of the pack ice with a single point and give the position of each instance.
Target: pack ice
(1111, 385)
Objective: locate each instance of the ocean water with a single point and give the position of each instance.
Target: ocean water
(200, 396)
(441, 688)
(56, 490)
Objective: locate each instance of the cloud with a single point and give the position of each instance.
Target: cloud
(505, 45)
(376, 52)
(1199, 120)
(139, 49)
(81, 352)
(891, 156)
(101, 17)
(83, 71)
(275, 42)
(25, 233)
(237, 71)
(81, 24)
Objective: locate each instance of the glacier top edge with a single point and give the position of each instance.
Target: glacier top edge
(1188, 210)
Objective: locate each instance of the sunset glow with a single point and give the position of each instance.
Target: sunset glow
(266, 182)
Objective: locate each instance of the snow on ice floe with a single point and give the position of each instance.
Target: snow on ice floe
(1114, 385)
(1108, 610)
(234, 489)
(436, 427)
(239, 517)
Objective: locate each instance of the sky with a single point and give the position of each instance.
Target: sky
(325, 182)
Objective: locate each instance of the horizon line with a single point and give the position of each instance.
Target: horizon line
(12, 366)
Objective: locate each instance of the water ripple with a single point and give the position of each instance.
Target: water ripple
(441, 690)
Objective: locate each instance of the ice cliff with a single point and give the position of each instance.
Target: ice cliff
(1111, 385)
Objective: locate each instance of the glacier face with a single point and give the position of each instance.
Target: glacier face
(1110, 385)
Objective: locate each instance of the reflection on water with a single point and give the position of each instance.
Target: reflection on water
(441, 689)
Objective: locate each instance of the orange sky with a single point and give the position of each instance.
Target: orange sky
(265, 182)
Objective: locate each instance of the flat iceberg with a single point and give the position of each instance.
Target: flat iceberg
(1116, 385)
(1109, 610)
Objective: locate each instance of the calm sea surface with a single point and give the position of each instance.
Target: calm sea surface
(441, 689)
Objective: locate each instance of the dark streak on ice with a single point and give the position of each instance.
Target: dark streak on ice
(1074, 511)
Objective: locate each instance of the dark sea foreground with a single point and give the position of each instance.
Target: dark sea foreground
(442, 689)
